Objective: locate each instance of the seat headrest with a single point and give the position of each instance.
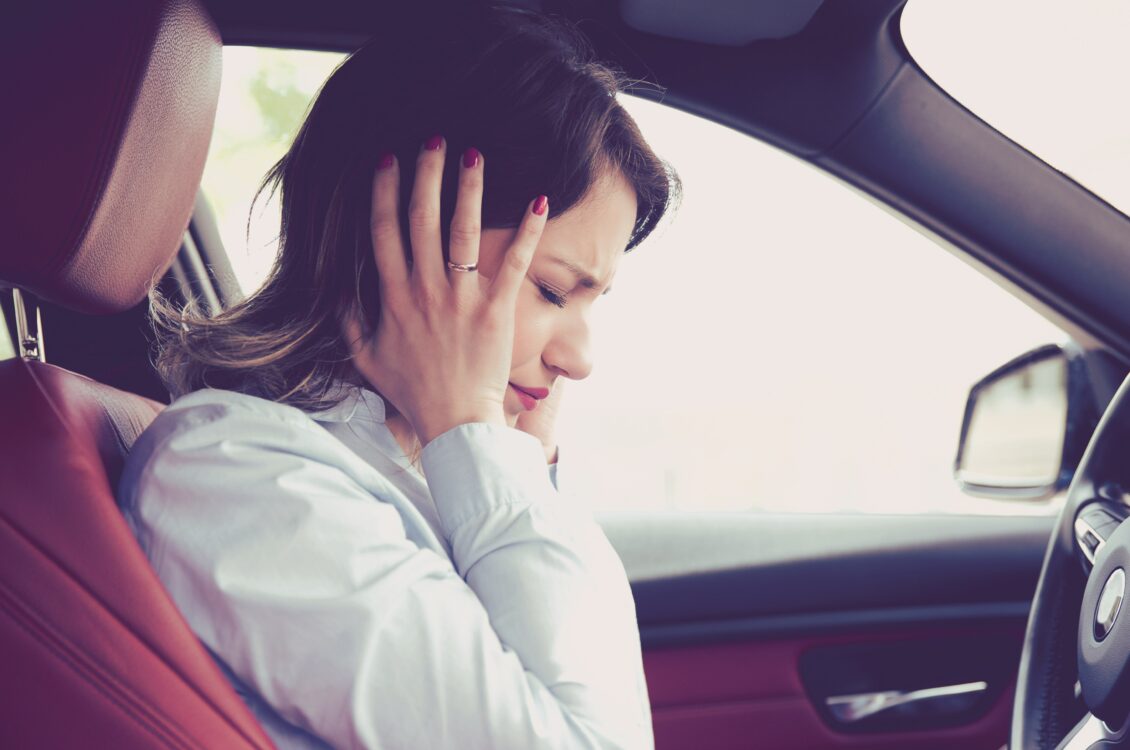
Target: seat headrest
(108, 112)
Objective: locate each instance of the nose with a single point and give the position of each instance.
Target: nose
(569, 350)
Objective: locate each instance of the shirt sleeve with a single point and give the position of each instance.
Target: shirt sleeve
(288, 567)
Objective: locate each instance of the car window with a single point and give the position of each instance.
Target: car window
(263, 97)
(782, 343)
(1059, 90)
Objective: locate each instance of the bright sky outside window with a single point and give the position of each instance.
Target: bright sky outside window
(1050, 75)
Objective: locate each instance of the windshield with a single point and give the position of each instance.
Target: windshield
(1049, 75)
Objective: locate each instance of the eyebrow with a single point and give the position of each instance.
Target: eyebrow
(584, 278)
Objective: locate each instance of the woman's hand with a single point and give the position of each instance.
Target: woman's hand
(442, 348)
(542, 421)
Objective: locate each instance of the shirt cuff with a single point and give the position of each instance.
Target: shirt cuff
(473, 468)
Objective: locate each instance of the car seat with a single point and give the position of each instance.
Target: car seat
(109, 109)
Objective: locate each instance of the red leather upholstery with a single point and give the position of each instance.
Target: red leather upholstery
(749, 694)
(108, 112)
(94, 653)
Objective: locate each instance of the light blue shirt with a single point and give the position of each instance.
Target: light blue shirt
(351, 600)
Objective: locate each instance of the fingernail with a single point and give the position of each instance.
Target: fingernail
(386, 160)
(540, 205)
(470, 157)
(435, 143)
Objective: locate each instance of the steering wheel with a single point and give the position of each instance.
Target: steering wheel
(1073, 689)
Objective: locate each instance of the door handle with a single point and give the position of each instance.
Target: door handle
(852, 708)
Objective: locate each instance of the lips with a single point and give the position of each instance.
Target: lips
(536, 393)
(530, 396)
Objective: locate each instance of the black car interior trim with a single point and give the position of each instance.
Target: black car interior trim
(819, 623)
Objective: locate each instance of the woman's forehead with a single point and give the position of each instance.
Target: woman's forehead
(592, 235)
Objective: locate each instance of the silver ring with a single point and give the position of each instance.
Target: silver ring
(465, 267)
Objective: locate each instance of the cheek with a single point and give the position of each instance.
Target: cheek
(525, 330)
(530, 325)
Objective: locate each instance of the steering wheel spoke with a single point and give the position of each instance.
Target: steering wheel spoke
(1094, 524)
(1089, 731)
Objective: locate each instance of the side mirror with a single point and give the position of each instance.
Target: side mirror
(1026, 426)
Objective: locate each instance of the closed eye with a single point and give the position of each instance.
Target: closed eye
(551, 296)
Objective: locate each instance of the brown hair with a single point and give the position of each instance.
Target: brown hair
(522, 88)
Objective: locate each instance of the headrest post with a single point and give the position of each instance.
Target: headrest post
(29, 326)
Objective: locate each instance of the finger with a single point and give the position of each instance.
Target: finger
(423, 212)
(466, 224)
(553, 400)
(384, 222)
(516, 262)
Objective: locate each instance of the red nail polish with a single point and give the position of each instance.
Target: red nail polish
(435, 143)
(540, 205)
(386, 160)
(470, 157)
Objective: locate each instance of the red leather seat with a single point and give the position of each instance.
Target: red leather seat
(108, 116)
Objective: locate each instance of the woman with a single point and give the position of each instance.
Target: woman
(338, 500)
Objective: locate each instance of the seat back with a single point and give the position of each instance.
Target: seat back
(108, 115)
(94, 652)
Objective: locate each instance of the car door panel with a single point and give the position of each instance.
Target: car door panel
(776, 614)
(748, 694)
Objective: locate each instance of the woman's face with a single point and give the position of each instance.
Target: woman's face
(576, 259)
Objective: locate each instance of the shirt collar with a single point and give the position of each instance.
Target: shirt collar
(358, 403)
